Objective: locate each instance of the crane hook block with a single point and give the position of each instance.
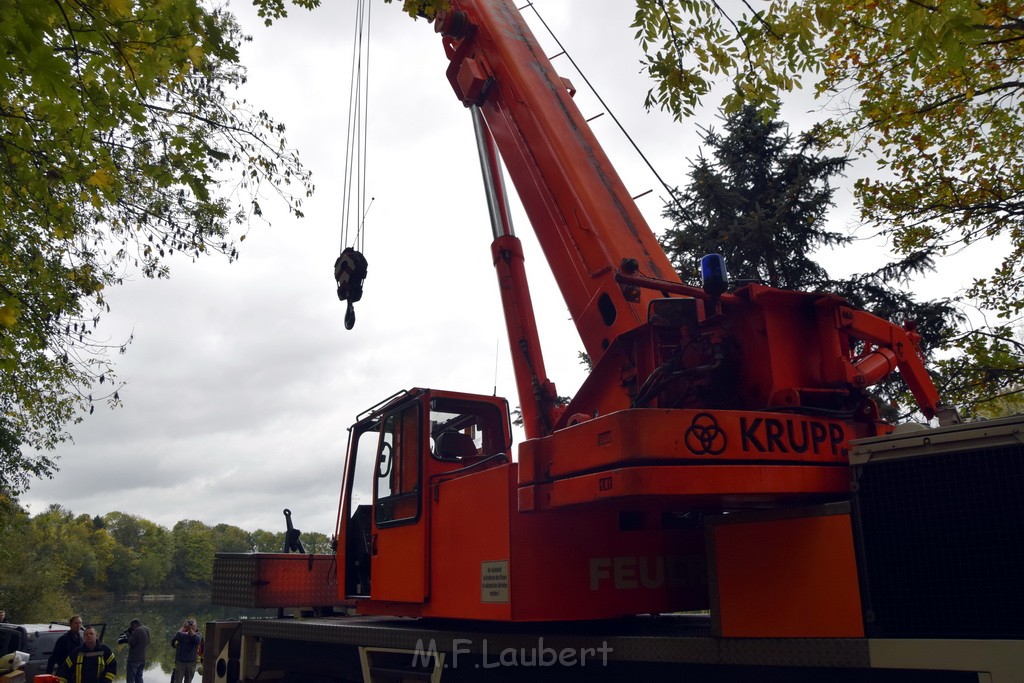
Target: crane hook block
(349, 273)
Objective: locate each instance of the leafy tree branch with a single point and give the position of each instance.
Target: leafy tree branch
(122, 141)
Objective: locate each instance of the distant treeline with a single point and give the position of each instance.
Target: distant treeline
(46, 558)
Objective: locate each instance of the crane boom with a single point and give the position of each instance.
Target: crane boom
(585, 219)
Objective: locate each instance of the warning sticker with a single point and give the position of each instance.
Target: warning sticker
(494, 581)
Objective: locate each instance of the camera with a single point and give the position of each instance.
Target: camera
(122, 637)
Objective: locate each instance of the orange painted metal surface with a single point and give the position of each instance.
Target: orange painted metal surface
(615, 560)
(537, 392)
(697, 458)
(399, 563)
(787, 578)
(700, 487)
(276, 580)
(490, 562)
(758, 349)
(471, 528)
(644, 436)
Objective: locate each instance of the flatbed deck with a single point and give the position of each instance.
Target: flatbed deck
(645, 647)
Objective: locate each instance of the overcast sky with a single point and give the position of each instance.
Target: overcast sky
(242, 380)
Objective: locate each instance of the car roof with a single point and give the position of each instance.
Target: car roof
(36, 628)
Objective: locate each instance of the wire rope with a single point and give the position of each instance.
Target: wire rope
(671, 192)
(354, 186)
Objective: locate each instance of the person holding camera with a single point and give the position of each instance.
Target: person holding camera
(136, 637)
(188, 645)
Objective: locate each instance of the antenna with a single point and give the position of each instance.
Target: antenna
(497, 343)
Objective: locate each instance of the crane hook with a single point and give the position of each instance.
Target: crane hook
(349, 273)
(292, 540)
(350, 316)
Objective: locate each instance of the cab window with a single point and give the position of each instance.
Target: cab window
(397, 481)
(462, 431)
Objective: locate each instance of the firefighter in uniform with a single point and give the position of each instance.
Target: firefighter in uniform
(93, 662)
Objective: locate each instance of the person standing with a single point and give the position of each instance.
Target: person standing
(138, 644)
(65, 644)
(187, 644)
(93, 662)
(3, 617)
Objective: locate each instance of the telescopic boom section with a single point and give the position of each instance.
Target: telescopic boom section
(585, 219)
(537, 395)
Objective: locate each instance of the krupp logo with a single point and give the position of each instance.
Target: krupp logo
(704, 436)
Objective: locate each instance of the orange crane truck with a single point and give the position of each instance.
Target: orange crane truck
(719, 501)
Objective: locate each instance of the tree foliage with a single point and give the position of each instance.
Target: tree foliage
(121, 143)
(48, 558)
(931, 90)
(32, 580)
(272, 10)
(193, 551)
(231, 539)
(264, 541)
(1011, 401)
(142, 557)
(81, 550)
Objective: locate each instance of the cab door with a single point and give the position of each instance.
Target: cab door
(398, 566)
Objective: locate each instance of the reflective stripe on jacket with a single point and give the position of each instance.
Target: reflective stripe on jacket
(97, 665)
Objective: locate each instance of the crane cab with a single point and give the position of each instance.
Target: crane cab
(432, 524)
(400, 453)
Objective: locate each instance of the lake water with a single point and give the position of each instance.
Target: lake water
(163, 618)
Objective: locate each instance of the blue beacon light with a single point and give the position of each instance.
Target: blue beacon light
(713, 274)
